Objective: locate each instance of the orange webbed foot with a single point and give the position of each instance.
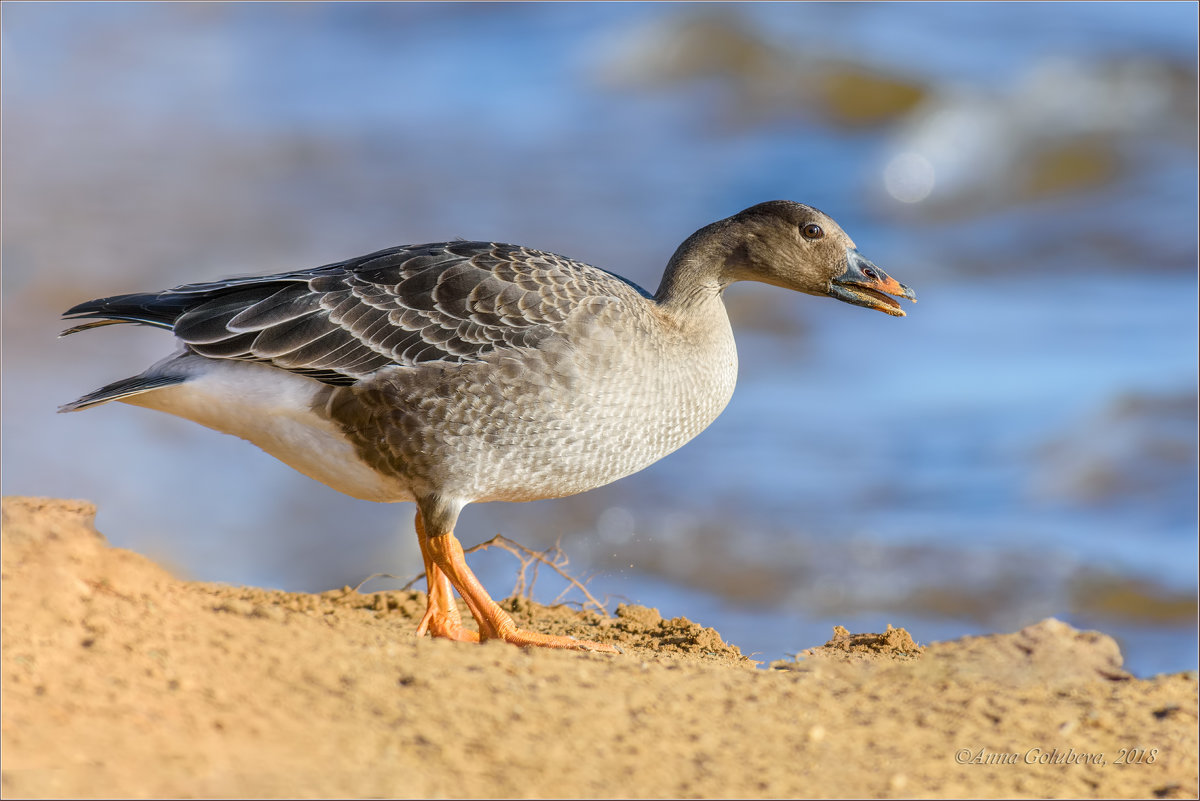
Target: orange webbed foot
(447, 570)
(496, 624)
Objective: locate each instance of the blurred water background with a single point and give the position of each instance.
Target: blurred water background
(1022, 445)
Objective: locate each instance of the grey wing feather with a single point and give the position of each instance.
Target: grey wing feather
(443, 302)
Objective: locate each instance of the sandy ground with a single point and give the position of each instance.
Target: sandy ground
(120, 680)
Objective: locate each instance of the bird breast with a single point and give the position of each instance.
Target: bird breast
(619, 389)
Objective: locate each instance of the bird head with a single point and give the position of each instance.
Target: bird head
(798, 247)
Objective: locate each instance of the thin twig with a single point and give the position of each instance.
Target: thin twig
(358, 586)
(553, 557)
(412, 582)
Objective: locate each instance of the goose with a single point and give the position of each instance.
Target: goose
(465, 372)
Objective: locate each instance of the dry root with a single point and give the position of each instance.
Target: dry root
(553, 558)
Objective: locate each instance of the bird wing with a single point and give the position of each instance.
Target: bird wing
(449, 302)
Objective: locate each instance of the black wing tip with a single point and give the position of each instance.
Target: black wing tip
(103, 306)
(138, 308)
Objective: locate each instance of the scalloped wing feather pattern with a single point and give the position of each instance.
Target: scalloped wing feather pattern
(448, 302)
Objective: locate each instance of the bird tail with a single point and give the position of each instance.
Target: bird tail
(159, 309)
(122, 389)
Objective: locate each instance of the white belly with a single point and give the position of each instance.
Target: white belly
(273, 409)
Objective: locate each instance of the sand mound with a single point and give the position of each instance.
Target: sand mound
(120, 680)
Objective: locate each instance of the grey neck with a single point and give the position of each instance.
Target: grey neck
(699, 271)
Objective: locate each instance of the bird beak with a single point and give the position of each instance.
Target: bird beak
(864, 284)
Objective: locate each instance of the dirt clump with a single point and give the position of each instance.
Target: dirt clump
(891, 645)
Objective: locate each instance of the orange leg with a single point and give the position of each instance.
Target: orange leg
(441, 618)
(444, 559)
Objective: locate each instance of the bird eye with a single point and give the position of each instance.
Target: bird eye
(812, 231)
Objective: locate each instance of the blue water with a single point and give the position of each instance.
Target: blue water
(976, 447)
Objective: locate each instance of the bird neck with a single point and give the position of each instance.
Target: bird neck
(698, 272)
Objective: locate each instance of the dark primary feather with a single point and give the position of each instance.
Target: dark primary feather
(441, 302)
